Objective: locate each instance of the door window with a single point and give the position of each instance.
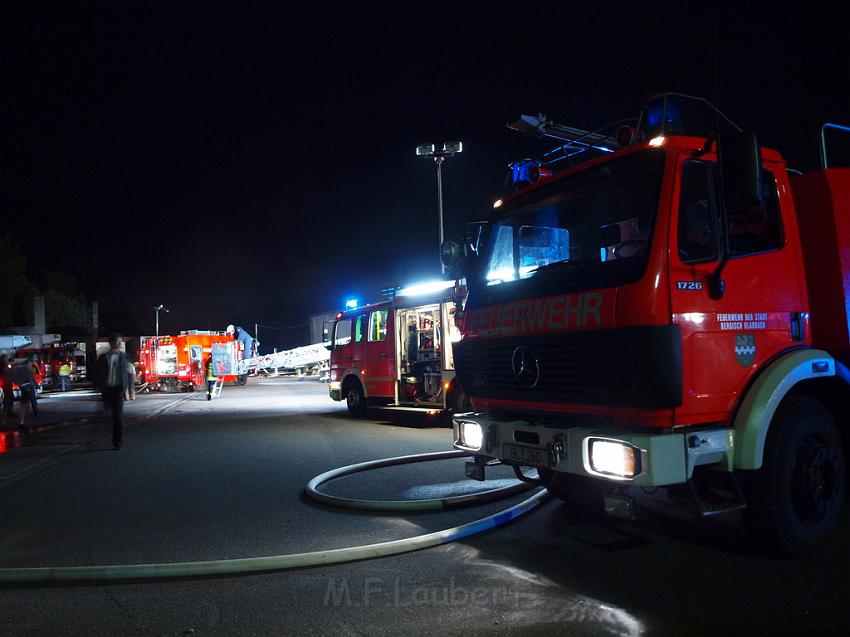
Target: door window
(378, 325)
(342, 334)
(750, 231)
(760, 230)
(360, 328)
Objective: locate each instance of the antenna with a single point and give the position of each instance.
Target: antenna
(716, 48)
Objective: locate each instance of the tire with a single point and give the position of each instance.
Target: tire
(242, 380)
(583, 493)
(355, 401)
(795, 499)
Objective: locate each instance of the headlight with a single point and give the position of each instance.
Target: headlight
(470, 435)
(613, 458)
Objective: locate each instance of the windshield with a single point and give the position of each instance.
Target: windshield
(589, 230)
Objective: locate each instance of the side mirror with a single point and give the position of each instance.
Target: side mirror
(740, 166)
(327, 334)
(452, 255)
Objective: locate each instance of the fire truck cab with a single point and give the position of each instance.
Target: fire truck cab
(398, 353)
(177, 363)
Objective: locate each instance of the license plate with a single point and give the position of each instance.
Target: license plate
(530, 456)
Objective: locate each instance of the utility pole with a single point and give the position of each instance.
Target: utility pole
(430, 150)
(157, 310)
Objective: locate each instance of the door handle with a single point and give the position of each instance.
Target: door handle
(385, 355)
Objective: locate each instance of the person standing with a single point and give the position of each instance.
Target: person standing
(65, 376)
(22, 375)
(7, 396)
(211, 377)
(112, 377)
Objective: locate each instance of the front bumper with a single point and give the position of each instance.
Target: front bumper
(659, 459)
(335, 390)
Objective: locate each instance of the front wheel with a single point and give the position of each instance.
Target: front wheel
(355, 401)
(795, 499)
(242, 380)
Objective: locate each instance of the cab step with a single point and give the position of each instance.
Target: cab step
(720, 493)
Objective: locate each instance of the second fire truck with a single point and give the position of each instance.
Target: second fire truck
(397, 353)
(177, 363)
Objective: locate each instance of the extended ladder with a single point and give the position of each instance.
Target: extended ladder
(309, 355)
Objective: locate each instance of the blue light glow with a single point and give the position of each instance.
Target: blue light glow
(351, 304)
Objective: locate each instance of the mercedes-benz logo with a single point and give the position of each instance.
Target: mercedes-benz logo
(526, 367)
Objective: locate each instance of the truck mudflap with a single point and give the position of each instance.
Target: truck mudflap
(650, 460)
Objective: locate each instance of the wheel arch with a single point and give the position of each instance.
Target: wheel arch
(349, 379)
(455, 388)
(810, 372)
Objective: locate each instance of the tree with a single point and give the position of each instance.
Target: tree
(13, 279)
(64, 305)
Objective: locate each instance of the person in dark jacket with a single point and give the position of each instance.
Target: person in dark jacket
(112, 379)
(22, 375)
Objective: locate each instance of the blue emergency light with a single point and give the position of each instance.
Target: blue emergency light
(524, 172)
(351, 304)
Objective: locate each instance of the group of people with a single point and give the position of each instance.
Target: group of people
(114, 377)
(22, 376)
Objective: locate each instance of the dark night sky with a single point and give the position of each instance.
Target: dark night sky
(257, 164)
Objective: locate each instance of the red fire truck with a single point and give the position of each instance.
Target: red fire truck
(398, 353)
(172, 363)
(667, 314)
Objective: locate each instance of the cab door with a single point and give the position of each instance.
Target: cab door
(342, 348)
(379, 360)
(724, 341)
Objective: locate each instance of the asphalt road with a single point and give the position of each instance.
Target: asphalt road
(200, 480)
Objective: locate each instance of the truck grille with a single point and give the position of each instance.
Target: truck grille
(627, 367)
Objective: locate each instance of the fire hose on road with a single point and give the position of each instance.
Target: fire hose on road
(253, 565)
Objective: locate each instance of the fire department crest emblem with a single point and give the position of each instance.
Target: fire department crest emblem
(745, 349)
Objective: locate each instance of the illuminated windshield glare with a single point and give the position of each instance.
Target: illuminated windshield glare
(596, 218)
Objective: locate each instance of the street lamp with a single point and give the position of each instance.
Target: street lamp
(157, 309)
(430, 150)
